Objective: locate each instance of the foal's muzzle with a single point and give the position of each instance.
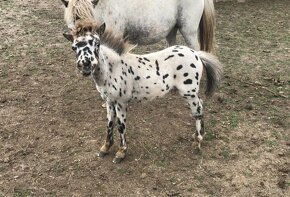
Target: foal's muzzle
(84, 67)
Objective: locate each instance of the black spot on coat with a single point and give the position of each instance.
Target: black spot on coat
(165, 76)
(146, 59)
(157, 68)
(188, 81)
(179, 67)
(196, 76)
(170, 56)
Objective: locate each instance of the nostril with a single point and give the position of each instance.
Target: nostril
(86, 63)
(79, 64)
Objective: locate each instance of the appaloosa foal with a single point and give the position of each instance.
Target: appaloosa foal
(121, 77)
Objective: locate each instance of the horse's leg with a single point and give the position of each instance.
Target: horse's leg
(190, 35)
(171, 37)
(189, 23)
(121, 110)
(197, 111)
(111, 116)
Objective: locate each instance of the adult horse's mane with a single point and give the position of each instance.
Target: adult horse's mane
(79, 8)
(108, 38)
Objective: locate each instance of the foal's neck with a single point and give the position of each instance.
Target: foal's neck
(108, 59)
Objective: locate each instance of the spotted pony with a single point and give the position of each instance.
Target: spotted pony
(121, 77)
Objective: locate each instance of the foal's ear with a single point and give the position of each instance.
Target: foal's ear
(68, 36)
(95, 2)
(65, 2)
(101, 29)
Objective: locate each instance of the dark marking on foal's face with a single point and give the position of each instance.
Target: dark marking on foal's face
(87, 50)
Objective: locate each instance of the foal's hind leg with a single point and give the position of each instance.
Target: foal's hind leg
(111, 116)
(197, 111)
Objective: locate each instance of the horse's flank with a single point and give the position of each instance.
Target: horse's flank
(108, 38)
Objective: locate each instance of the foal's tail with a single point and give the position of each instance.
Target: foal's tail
(214, 71)
(206, 27)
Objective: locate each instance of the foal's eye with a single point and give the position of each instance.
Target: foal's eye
(97, 44)
(81, 44)
(74, 48)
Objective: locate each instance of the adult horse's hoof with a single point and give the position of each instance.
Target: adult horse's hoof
(102, 154)
(117, 160)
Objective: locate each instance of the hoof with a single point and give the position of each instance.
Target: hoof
(117, 160)
(197, 145)
(102, 154)
(197, 151)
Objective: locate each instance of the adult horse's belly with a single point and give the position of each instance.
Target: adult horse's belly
(140, 34)
(144, 24)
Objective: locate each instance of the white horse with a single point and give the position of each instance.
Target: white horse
(149, 21)
(121, 77)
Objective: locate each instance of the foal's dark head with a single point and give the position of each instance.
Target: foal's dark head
(87, 51)
(86, 44)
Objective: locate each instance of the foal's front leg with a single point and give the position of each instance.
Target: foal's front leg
(121, 110)
(111, 116)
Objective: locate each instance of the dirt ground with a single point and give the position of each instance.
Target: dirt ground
(52, 123)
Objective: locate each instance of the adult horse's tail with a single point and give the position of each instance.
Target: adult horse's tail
(214, 71)
(206, 27)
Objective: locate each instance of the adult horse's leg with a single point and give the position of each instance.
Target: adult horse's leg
(111, 116)
(189, 21)
(171, 37)
(121, 110)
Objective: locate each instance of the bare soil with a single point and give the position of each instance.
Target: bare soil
(52, 123)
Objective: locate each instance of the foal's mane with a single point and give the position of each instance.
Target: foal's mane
(108, 38)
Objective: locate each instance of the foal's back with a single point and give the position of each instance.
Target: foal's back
(155, 74)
